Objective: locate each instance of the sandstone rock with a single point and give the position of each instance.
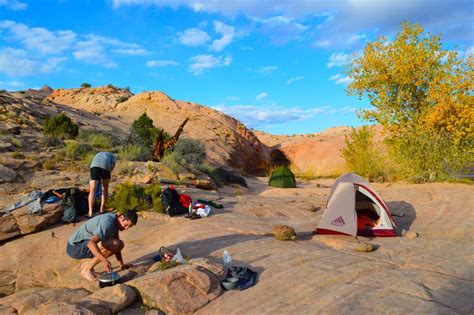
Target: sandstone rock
(284, 233)
(183, 289)
(8, 227)
(6, 146)
(411, 234)
(61, 308)
(365, 247)
(28, 223)
(6, 175)
(115, 298)
(215, 268)
(7, 310)
(31, 298)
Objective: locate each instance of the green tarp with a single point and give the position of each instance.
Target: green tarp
(282, 177)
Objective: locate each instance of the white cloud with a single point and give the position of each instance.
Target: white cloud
(161, 63)
(193, 37)
(38, 39)
(343, 20)
(130, 51)
(339, 60)
(255, 116)
(17, 63)
(232, 98)
(265, 70)
(340, 79)
(10, 85)
(227, 32)
(261, 96)
(14, 5)
(200, 63)
(294, 79)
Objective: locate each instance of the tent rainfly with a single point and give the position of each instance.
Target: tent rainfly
(282, 177)
(354, 208)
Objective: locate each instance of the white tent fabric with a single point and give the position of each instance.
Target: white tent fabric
(340, 215)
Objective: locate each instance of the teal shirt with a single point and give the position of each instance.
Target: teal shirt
(104, 226)
(104, 160)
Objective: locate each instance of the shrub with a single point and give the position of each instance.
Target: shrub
(75, 150)
(110, 85)
(122, 99)
(97, 139)
(87, 158)
(128, 196)
(364, 157)
(85, 85)
(127, 88)
(190, 152)
(134, 152)
(18, 155)
(170, 160)
(51, 141)
(125, 169)
(60, 125)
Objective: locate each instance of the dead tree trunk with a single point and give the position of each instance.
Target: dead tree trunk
(161, 144)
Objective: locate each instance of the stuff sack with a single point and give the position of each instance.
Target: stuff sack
(171, 204)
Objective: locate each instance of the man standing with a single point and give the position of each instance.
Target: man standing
(101, 168)
(98, 239)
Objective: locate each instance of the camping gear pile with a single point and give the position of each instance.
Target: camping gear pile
(355, 208)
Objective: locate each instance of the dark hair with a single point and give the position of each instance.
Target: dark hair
(131, 215)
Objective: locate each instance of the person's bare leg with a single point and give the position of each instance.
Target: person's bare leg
(105, 192)
(92, 189)
(108, 248)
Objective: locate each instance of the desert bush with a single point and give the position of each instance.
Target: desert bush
(85, 85)
(122, 99)
(60, 125)
(75, 150)
(134, 152)
(127, 88)
(98, 139)
(49, 165)
(87, 158)
(128, 196)
(190, 152)
(18, 155)
(51, 141)
(364, 157)
(110, 85)
(170, 160)
(126, 168)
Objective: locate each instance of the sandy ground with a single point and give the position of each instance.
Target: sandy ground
(433, 273)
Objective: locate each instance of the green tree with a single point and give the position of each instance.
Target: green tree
(143, 131)
(85, 85)
(421, 94)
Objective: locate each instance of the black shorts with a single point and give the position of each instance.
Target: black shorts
(98, 173)
(79, 250)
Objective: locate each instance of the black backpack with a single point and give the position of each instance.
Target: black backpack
(75, 204)
(171, 204)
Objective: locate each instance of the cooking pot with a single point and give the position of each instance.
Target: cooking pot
(109, 279)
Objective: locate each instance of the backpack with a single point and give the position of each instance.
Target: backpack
(75, 204)
(171, 204)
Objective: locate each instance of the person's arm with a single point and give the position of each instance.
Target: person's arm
(94, 248)
(118, 255)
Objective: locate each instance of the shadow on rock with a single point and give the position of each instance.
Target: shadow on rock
(403, 214)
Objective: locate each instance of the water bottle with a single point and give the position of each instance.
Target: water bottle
(227, 260)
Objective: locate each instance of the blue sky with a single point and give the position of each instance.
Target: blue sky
(275, 65)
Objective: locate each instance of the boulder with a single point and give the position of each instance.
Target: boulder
(183, 289)
(8, 227)
(29, 223)
(284, 232)
(59, 308)
(31, 298)
(6, 175)
(115, 298)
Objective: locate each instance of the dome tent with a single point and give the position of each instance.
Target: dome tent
(282, 177)
(355, 208)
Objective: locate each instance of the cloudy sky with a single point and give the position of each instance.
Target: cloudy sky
(275, 65)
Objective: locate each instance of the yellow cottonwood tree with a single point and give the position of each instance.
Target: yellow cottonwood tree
(422, 95)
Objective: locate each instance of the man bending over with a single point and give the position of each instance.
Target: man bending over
(98, 239)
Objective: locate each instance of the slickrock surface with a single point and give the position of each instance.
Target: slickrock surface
(433, 273)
